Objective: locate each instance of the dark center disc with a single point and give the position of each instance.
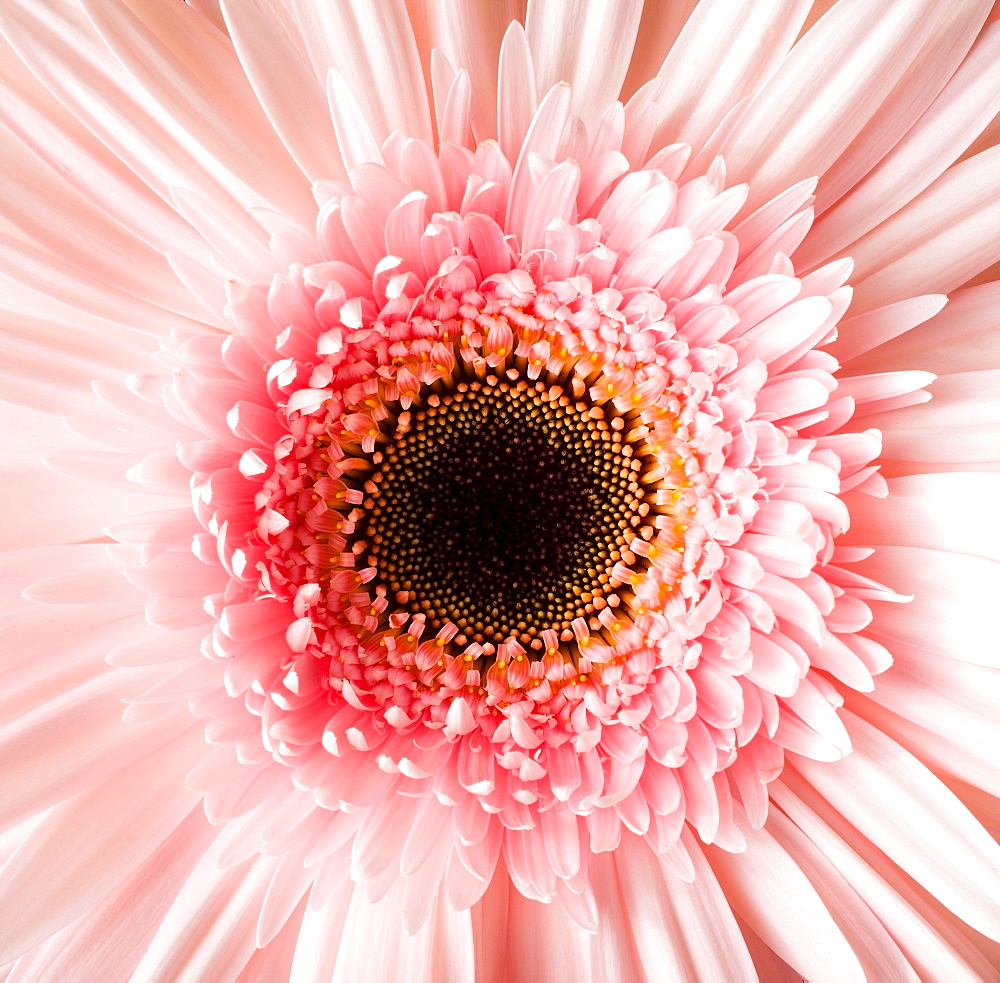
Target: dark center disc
(502, 510)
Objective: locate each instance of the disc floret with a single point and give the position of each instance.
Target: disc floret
(492, 495)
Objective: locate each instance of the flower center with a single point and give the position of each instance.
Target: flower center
(486, 496)
(502, 507)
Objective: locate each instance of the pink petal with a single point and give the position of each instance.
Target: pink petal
(818, 98)
(588, 46)
(723, 53)
(937, 242)
(367, 45)
(905, 811)
(102, 857)
(273, 55)
(681, 930)
(959, 113)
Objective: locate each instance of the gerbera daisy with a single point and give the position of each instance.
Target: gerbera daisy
(474, 511)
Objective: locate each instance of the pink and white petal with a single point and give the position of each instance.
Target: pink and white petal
(961, 111)
(905, 811)
(21, 568)
(951, 512)
(951, 698)
(191, 72)
(211, 10)
(22, 301)
(92, 842)
(516, 96)
(108, 940)
(958, 339)
(933, 941)
(659, 28)
(991, 135)
(372, 945)
(289, 887)
(356, 142)
(63, 222)
(613, 948)
(489, 918)
(543, 943)
(941, 239)
(274, 960)
(542, 138)
(38, 632)
(368, 44)
(61, 49)
(208, 931)
(40, 769)
(724, 52)
(876, 951)
(823, 92)
(857, 336)
(469, 35)
(769, 965)
(982, 805)
(587, 44)
(100, 585)
(273, 55)
(956, 29)
(956, 430)
(322, 928)
(237, 242)
(40, 666)
(951, 613)
(974, 764)
(65, 144)
(776, 899)
(682, 931)
(45, 520)
(44, 272)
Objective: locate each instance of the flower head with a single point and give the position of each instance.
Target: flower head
(509, 569)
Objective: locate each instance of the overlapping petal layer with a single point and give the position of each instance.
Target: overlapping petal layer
(326, 772)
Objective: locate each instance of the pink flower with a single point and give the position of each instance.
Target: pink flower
(501, 533)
